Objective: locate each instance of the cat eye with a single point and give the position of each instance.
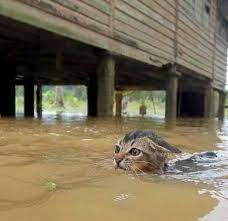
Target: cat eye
(135, 152)
(117, 149)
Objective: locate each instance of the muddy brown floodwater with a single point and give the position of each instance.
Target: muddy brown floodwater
(60, 169)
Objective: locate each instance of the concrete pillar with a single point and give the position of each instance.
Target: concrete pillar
(209, 103)
(7, 95)
(29, 99)
(222, 101)
(119, 98)
(171, 96)
(105, 84)
(39, 100)
(92, 95)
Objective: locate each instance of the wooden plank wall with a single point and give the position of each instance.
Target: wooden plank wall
(195, 42)
(147, 25)
(220, 62)
(142, 24)
(141, 29)
(152, 31)
(91, 14)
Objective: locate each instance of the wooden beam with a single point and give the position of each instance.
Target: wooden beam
(92, 95)
(105, 84)
(7, 93)
(222, 101)
(55, 21)
(171, 97)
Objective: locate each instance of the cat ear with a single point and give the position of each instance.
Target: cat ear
(156, 147)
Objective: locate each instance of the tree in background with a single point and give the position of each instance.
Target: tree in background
(59, 97)
(153, 101)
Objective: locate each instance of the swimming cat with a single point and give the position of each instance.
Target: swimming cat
(143, 151)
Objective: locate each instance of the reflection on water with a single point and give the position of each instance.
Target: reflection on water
(60, 168)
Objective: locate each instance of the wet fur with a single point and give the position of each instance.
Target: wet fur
(153, 156)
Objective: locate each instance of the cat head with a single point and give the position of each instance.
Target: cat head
(140, 154)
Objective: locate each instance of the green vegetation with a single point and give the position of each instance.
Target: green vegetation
(19, 99)
(64, 99)
(153, 100)
(59, 99)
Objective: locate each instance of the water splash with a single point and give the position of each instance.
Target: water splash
(209, 168)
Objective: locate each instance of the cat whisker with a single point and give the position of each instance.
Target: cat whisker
(137, 169)
(129, 168)
(135, 172)
(142, 161)
(142, 172)
(155, 166)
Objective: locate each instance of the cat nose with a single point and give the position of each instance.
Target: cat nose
(118, 158)
(118, 161)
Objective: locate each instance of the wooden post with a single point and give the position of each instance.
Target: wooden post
(7, 98)
(209, 105)
(29, 99)
(119, 98)
(171, 96)
(7, 95)
(222, 101)
(105, 84)
(39, 100)
(92, 95)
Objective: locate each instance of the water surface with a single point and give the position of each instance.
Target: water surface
(60, 168)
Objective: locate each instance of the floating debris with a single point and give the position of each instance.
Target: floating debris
(87, 139)
(50, 185)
